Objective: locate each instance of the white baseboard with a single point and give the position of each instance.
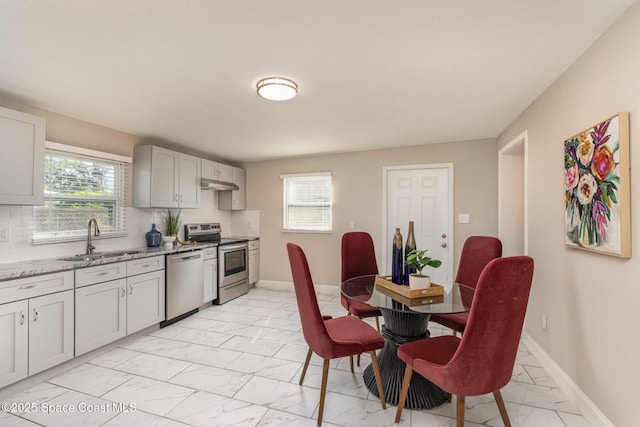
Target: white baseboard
(589, 410)
(288, 286)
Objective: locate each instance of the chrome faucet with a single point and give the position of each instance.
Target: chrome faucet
(90, 246)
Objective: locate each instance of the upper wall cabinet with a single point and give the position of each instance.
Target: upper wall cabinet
(22, 173)
(216, 171)
(234, 200)
(165, 179)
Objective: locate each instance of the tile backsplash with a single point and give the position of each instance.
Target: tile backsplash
(18, 220)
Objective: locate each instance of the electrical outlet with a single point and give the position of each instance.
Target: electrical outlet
(352, 225)
(544, 322)
(4, 234)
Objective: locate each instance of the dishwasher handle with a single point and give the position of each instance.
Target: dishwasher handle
(175, 259)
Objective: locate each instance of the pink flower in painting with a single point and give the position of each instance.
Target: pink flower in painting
(571, 177)
(599, 214)
(586, 188)
(585, 150)
(602, 162)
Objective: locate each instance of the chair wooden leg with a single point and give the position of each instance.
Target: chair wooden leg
(403, 393)
(306, 365)
(377, 324)
(323, 389)
(351, 363)
(502, 408)
(460, 411)
(376, 371)
(357, 360)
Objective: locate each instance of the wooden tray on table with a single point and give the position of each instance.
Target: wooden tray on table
(407, 296)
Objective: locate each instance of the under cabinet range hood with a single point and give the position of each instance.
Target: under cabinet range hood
(212, 184)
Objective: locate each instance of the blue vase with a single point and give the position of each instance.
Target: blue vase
(396, 258)
(409, 246)
(154, 237)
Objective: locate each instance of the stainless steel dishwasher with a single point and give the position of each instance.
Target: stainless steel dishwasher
(184, 282)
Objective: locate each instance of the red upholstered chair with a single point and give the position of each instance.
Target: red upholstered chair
(358, 259)
(476, 254)
(482, 360)
(330, 338)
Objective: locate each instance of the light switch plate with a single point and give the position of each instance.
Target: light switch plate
(463, 218)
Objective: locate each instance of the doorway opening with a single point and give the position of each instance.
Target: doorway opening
(512, 196)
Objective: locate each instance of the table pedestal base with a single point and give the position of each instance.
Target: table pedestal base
(400, 328)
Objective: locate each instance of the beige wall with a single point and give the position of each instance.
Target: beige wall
(591, 300)
(357, 183)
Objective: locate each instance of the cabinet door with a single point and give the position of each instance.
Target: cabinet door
(254, 266)
(189, 196)
(50, 330)
(210, 280)
(145, 300)
(22, 177)
(238, 195)
(100, 314)
(165, 167)
(225, 173)
(14, 333)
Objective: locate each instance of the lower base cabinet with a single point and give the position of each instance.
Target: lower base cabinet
(37, 334)
(110, 310)
(100, 314)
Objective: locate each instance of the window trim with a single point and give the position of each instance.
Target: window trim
(100, 155)
(285, 203)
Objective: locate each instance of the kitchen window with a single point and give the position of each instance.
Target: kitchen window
(307, 202)
(80, 184)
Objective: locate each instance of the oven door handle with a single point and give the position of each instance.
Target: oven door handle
(229, 248)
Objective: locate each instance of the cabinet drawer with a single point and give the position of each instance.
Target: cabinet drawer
(18, 289)
(145, 265)
(210, 253)
(254, 244)
(100, 273)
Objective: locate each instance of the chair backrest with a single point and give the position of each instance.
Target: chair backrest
(487, 352)
(358, 255)
(476, 254)
(313, 327)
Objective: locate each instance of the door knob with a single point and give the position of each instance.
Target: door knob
(444, 245)
(444, 236)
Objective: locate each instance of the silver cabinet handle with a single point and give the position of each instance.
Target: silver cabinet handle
(124, 292)
(130, 289)
(104, 273)
(35, 312)
(28, 286)
(146, 266)
(22, 317)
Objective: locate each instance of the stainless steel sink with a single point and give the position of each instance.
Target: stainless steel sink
(98, 255)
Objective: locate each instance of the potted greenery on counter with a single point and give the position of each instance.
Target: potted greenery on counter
(419, 260)
(171, 227)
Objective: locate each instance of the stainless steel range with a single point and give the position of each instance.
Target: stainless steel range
(233, 260)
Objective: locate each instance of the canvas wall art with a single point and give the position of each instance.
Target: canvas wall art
(597, 195)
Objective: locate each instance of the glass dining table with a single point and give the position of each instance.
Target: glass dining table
(405, 320)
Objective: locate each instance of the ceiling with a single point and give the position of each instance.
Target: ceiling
(372, 73)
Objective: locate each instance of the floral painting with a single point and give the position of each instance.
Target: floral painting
(597, 205)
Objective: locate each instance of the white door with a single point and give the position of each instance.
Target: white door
(422, 194)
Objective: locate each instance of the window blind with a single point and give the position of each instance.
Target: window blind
(80, 186)
(307, 202)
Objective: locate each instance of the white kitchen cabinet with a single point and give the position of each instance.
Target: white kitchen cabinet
(145, 300)
(216, 171)
(210, 266)
(22, 175)
(101, 314)
(36, 324)
(165, 178)
(254, 261)
(234, 199)
(14, 330)
(50, 330)
(118, 299)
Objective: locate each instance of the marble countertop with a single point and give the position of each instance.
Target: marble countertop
(18, 270)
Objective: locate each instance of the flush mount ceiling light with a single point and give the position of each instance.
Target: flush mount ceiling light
(277, 88)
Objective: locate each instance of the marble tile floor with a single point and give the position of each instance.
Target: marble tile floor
(239, 365)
